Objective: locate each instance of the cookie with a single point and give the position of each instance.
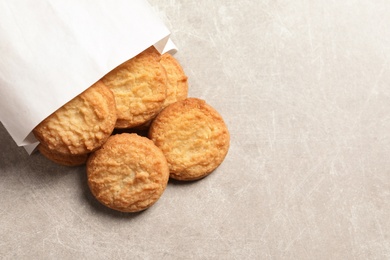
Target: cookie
(129, 173)
(82, 125)
(63, 159)
(177, 84)
(193, 137)
(139, 86)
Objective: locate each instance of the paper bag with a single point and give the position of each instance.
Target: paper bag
(53, 50)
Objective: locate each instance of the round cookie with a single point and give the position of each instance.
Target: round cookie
(82, 125)
(193, 137)
(63, 159)
(129, 173)
(177, 84)
(139, 86)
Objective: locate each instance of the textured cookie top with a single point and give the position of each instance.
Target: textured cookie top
(139, 87)
(82, 125)
(193, 137)
(129, 173)
(177, 84)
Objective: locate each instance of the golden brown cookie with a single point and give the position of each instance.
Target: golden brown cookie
(82, 125)
(177, 84)
(193, 137)
(63, 159)
(139, 86)
(129, 173)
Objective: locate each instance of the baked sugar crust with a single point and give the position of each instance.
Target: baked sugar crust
(129, 173)
(193, 137)
(82, 125)
(139, 86)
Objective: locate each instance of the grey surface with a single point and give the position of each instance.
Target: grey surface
(304, 89)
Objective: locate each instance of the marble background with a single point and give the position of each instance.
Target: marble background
(304, 89)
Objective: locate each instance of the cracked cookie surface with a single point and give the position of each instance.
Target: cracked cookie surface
(82, 125)
(193, 137)
(139, 86)
(129, 173)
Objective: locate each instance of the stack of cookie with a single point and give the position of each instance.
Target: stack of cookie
(185, 138)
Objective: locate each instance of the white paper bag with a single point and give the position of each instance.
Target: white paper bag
(52, 50)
